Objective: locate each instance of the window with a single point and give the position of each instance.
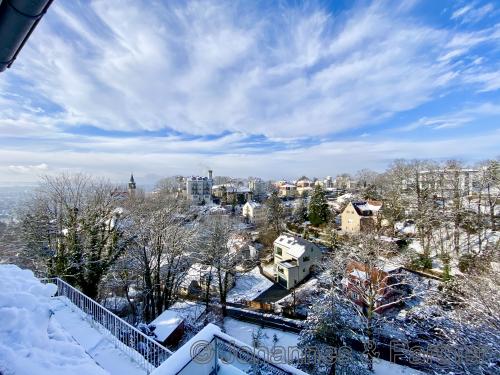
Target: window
(279, 251)
(307, 259)
(303, 270)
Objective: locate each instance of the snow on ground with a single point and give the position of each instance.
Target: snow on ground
(245, 332)
(98, 346)
(31, 340)
(309, 288)
(382, 367)
(249, 286)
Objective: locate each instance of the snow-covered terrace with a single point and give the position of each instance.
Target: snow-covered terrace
(42, 335)
(71, 334)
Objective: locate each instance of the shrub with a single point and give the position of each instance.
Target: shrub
(465, 263)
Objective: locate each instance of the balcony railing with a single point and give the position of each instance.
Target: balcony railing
(141, 348)
(218, 352)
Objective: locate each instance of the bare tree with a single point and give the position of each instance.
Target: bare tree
(462, 324)
(275, 213)
(222, 258)
(361, 278)
(489, 184)
(162, 250)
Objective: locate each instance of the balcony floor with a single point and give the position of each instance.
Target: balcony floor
(97, 346)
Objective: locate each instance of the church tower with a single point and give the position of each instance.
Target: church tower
(131, 186)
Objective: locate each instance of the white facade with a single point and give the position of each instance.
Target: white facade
(328, 182)
(258, 188)
(254, 212)
(294, 258)
(450, 180)
(199, 189)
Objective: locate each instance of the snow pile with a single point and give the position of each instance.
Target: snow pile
(31, 341)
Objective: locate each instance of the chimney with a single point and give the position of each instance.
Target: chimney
(210, 174)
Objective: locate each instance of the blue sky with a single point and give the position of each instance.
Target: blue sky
(274, 89)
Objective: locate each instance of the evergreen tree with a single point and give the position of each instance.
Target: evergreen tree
(275, 213)
(319, 212)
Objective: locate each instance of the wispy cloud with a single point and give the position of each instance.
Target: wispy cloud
(236, 81)
(472, 12)
(204, 68)
(456, 119)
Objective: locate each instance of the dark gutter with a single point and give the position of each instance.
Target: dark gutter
(18, 19)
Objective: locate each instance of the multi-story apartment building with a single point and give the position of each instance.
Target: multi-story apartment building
(328, 182)
(447, 182)
(342, 182)
(304, 186)
(199, 189)
(258, 188)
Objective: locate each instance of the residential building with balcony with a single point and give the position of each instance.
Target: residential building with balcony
(199, 189)
(294, 259)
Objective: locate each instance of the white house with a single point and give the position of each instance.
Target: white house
(254, 212)
(294, 258)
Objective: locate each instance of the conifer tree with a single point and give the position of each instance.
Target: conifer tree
(319, 213)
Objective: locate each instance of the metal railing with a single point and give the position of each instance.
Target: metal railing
(208, 356)
(141, 348)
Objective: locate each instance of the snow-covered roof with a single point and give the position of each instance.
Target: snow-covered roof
(195, 273)
(170, 319)
(367, 208)
(361, 275)
(253, 204)
(294, 246)
(391, 267)
(217, 210)
(248, 286)
(288, 264)
(344, 197)
(165, 324)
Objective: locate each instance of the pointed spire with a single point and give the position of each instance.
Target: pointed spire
(132, 178)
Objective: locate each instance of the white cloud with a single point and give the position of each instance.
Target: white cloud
(326, 158)
(207, 67)
(472, 13)
(298, 76)
(456, 119)
(28, 169)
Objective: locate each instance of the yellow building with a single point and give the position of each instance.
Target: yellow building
(287, 191)
(360, 216)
